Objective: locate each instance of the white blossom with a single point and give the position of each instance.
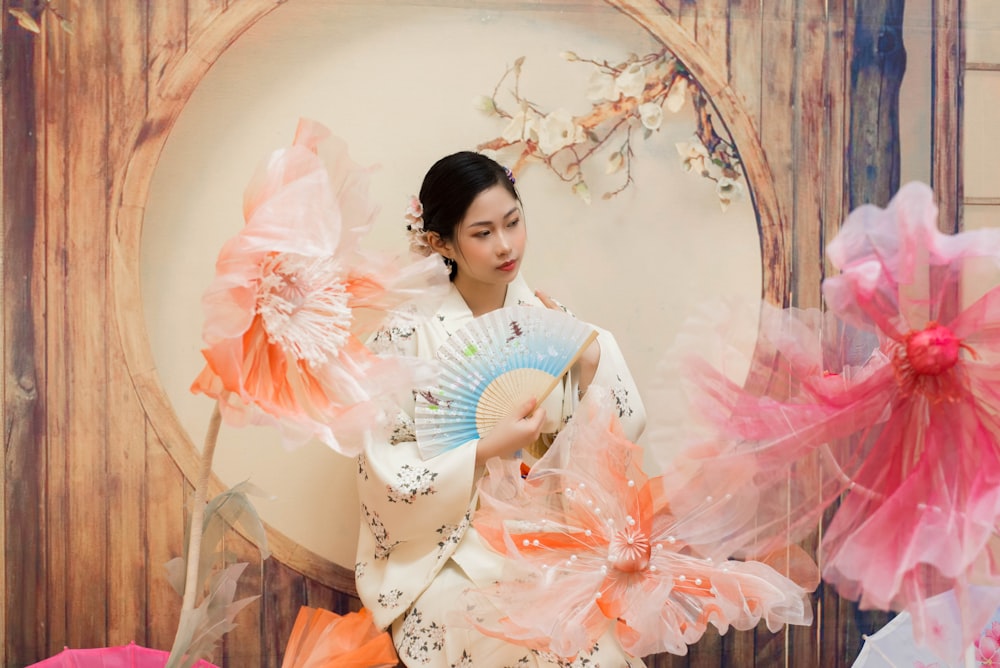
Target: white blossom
(651, 115)
(632, 81)
(558, 130)
(601, 87)
(692, 154)
(675, 97)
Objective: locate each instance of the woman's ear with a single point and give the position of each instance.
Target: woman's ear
(439, 245)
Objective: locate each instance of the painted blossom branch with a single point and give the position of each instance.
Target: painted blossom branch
(624, 97)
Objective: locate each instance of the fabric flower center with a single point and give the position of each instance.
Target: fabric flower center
(629, 550)
(932, 350)
(303, 303)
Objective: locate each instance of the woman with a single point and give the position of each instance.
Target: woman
(417, 550)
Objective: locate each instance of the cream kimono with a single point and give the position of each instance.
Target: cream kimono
(417, 550)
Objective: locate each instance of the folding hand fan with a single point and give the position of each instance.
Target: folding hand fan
(491, 366)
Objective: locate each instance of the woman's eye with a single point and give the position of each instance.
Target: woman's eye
(514, 222)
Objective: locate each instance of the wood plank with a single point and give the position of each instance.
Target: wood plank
(126, 458)
(776, 137)
(200, 15)
(777, 113)
(166, 41)
(243, 646)
(53, 210)
(687, 16)
(707, 652)
(840, 34)
(23, 588)
(712, 32)
(86, 310)
(877, 65)
(166, 495)
(811, 179)
(284, 594)
(319, 595)
(745, 58)
(948, 53)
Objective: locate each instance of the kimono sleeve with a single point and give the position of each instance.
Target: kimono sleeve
(613, 373)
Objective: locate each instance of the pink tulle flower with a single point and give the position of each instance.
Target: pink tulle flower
(592, 547)
(907, 425)
(293, 296)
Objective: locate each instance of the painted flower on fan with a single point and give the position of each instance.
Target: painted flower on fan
(592, 546)
(988, 646)
(293, 294)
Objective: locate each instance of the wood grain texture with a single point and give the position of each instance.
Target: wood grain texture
(948, 54)
(92, 455)
(52, 223)
(877, 66)
(85, 306)
(24, 589)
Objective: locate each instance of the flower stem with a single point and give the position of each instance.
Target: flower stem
(198, 510)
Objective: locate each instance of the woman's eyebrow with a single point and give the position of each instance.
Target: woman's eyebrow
(490, 222)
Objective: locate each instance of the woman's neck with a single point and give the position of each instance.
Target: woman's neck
(481, 298)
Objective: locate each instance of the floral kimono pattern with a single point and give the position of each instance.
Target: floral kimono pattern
(416, 550)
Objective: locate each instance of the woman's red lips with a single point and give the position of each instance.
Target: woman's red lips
(507, 266)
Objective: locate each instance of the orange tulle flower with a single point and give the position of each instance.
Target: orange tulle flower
(592, 546)
(293, 296)
(321, 638)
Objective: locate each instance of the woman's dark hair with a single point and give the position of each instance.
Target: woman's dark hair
(450, 186)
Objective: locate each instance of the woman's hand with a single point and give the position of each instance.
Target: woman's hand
(515, 432)
(591, 357)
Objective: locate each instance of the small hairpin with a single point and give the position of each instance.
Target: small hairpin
(510, 175)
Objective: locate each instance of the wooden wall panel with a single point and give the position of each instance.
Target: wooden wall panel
(126, 454)
(167, 494)
(24, 590)
(98, 488)
(52, 223)
(83, 296)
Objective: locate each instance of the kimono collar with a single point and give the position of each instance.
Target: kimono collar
(454, 313)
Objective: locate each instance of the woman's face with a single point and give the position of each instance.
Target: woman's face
(489, 242)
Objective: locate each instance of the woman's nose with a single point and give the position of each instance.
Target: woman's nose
(503, 244)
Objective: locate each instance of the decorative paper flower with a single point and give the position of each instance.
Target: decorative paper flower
(907, 426)
(415, 228)
(591, 546)
(324, 638)
(988, 646)
(293, 293)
